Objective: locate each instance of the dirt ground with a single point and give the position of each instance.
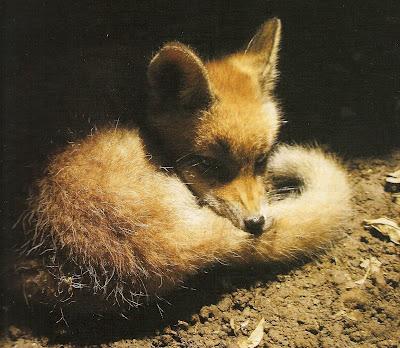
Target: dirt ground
(321, 303)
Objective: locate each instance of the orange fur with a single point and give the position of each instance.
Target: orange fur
(114, 213)
(107, 216)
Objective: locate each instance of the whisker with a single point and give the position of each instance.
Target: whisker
(184, 156)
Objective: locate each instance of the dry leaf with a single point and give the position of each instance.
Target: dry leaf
(386, 227)
(395, 174)
(372, 267)
(376, 272)
(392, 185)
(373, 264)
(255, 338)
(244, 324)
(393, 182)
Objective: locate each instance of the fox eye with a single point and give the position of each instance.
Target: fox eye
(204, 163)
(260, 164)
(212, 168)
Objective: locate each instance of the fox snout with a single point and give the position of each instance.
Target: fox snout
(243, 200)
(254, 224)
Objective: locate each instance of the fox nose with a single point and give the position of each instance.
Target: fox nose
(254, 224)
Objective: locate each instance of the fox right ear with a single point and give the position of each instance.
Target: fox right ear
(178, 79)
(263, 48)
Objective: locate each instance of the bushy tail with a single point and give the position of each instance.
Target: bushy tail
(98, 227)
(305, 222)
(103, 221)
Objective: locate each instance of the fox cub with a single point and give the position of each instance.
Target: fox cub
(106, 221)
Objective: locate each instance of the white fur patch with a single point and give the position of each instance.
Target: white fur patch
(270, 110)
(272, 115)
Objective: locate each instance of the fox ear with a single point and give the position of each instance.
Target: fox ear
(264, 47)
(178, 79)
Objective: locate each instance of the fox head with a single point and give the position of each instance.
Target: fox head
(218, 120)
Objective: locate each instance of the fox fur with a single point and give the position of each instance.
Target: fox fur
(106, 219)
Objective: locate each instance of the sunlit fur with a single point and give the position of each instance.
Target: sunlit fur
(136, 232)
(104, 207)
(246, 120)
(235, 119)
(305, 222)
(108, 219)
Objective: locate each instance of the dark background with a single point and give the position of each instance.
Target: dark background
(72, 65)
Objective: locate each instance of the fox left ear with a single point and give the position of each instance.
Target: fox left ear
(178, 79)
(264, 47)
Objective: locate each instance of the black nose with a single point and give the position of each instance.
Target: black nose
(254, 224)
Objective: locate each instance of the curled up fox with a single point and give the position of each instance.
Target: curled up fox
(107, 221)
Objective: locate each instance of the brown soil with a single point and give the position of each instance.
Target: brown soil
(314, 304)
